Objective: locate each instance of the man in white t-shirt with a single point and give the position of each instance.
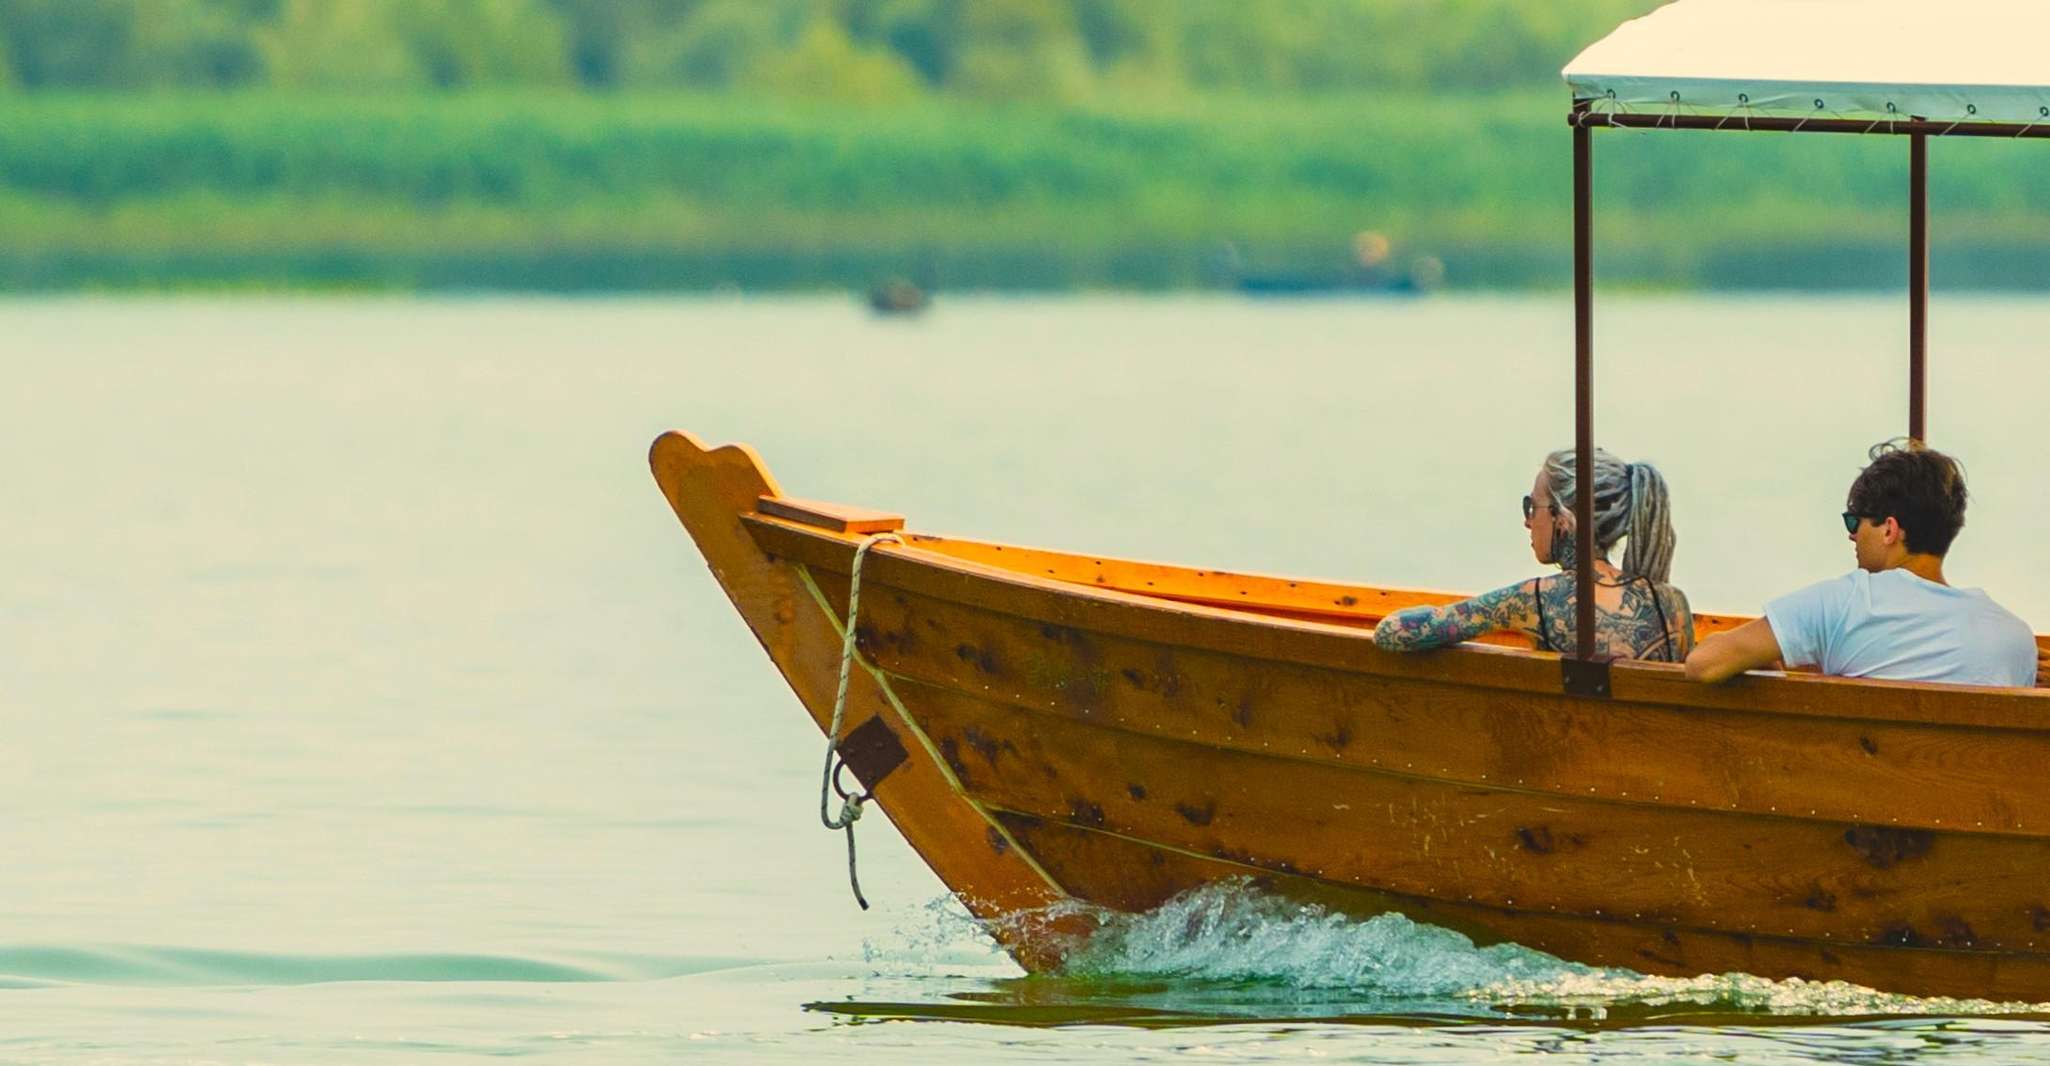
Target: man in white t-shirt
(1894, 616)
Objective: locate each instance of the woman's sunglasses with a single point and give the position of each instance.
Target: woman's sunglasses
(1530, 507)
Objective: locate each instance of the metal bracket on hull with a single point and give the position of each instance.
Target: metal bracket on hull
(1585, 677)
(871, 750)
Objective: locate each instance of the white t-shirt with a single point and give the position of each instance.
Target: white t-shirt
(1895, 625)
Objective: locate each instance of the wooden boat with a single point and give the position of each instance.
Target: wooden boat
(898, 296)
(1046, 726)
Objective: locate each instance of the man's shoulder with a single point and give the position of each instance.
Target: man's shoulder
(1808, 621)
(1999, 616)
(1842, 586)
(2002, 642)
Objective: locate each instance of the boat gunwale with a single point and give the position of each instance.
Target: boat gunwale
(1353, 616)
(1350, 648)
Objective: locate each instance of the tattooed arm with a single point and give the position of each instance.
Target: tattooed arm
(1417, 628)
(1682, 616)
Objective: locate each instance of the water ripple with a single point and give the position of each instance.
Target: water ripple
(23, 966)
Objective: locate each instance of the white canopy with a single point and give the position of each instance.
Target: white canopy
(1944, 60)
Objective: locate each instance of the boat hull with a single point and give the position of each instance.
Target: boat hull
(1115, 733)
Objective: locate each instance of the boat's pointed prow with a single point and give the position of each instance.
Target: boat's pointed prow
(732, 475)
(676, 453)
(718, 492)
(709, 489)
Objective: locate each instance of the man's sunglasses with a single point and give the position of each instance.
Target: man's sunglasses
(1530, 507)
(1852, 518)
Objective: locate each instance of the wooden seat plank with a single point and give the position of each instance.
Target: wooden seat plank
(838, 517)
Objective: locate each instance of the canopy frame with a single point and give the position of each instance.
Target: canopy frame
(1584, 673)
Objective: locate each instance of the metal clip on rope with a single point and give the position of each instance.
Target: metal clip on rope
(829, 781)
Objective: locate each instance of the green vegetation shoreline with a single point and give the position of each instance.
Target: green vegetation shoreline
(556, 191)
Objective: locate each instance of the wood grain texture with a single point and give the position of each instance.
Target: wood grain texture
(1694, 869)
(1882, 773)
(1127, 875)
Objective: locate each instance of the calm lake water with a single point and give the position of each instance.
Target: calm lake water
(366, 703)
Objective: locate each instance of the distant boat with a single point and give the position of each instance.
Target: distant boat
(897, 296)
(1371, 271)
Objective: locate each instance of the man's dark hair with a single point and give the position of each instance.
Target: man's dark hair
(1917, 486)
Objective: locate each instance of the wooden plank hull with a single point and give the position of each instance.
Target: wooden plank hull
(1133, 875)
(1117, 732)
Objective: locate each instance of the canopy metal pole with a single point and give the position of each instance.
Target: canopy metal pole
(1583, 391)
(1659, 120)
(1918, 283)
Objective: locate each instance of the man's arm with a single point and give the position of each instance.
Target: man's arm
(1726, 655)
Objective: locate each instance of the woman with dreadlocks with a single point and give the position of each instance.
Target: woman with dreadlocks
(1637, 614)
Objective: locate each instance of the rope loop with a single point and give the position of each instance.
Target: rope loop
(851, 802)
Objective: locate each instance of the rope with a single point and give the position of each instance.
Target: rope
(829, 779)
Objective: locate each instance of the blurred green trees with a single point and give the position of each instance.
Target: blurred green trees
(608, 144)
(1052, 50)
(317, 43)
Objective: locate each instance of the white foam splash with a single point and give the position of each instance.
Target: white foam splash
(938, 933)
(1230, 932)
